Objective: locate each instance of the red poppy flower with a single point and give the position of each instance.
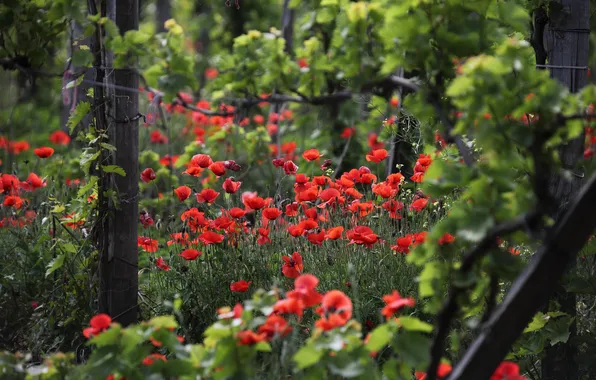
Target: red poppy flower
(98, 324)
(190, 254)
(447, 238)
(335, 309)
(16, 147)
(249, 338)
(148, 175)
(394, 302)
(240, 286)
(305, 289)
(218, 168)
(161, 264)
(211, 73)
(394, 101)
(293, 266)
(148, 244)
(237, 212)
(43, 152)
(210, 237)
(258, 119)
(230, 186)
(362, 235)
(158, 138)
(207, 196)
(442, 372)
(295, 230)
(60, 138)
(290, 167)
(275, 326)
(183, 192)
(33, 182)
(317, 238)
(201, 160)
(254, 202)
(377, 155)
(263, 236)
(271, 213)
(145, 219)
(334, 233)
(149, 360)
(507, 371)
(419, 204)
(311, 155)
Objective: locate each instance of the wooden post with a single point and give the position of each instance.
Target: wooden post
(118, 249)
(163, 13)
(566, 41)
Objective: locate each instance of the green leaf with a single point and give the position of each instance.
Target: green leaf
(163, 321)
(537, 323)
(114, 169)
(307, 356)
(263, 347)
(429, 275)
(379, 337)
(108, 337)
(88, 186)
(414, 348)
(414, 324)
(82, 58)
(81, 110)
(55, 264)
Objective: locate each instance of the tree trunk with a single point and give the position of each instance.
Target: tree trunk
(567, 40)
(118, 234)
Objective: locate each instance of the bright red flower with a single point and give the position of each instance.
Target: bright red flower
(218, 168)
(311, 155)
(275, 326)
(231, 186)
(161, 263)
(507, 371)
(149, 360)
(183, 192)
(394, 302)
(362, 235)
(237, 213)
(335, 303)
(377, 155)
(296, 230)
(201, 160)
(190, 254)
(271, 213)
(317, 238)
(148, 175)
(447, 238)
(207, 196)
(249, 338)
(254, 202)
(43, 152)
(33, 182)
(211, 73)
(210, 237)
(240, 286)
(16, 147)
(263, 236)
(290, 167)
(334, 233)
(98, 324)
(419, 204)
(60, 138)
(158, 138)
(293, 266)
(442, 372)
(147, 244)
